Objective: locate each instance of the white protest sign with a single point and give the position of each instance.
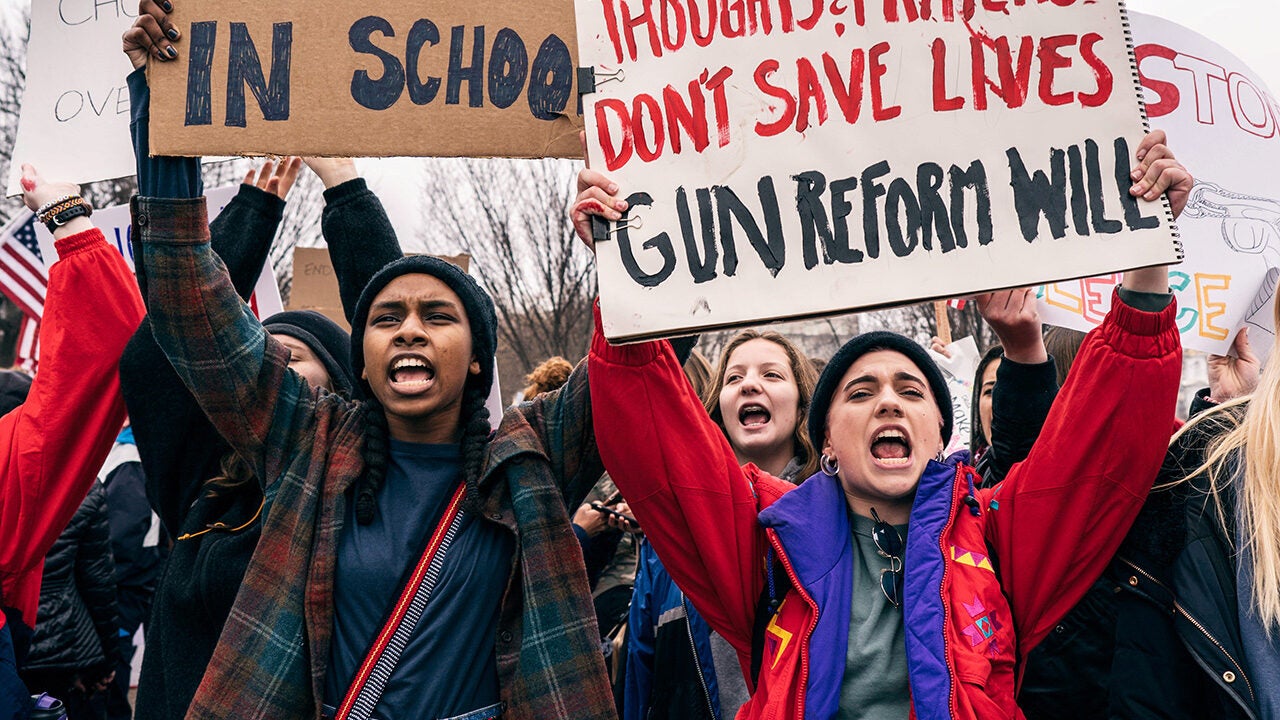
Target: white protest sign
(117, 225)
(75, 109)
(789, 160)
(1222, 124)
(1260, 318)
(959, 369)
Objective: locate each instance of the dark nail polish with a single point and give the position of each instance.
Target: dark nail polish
(168, 6)
(172, 53)
(173, 33)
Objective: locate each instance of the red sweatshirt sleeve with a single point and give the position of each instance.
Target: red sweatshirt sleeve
(1060, 515)
(681, 479)
(52, 447)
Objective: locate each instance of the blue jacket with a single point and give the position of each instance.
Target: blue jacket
(665, 637)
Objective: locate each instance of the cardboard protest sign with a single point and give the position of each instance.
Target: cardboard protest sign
(315, 286)
(74, 123)
(1223, 125)
(117, 225)
(369, 78)
(959, 370)
(789, 160)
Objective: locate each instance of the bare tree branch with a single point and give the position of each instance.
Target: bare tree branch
(512, 217)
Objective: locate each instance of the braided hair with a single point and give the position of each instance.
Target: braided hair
(376, 448)
(475, 437)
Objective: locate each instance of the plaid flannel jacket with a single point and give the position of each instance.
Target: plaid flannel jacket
(271, 657)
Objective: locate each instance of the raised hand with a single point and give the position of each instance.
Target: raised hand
(274, 178)
(936, 344)
(596, 196)
(1014, 316)
(152, 34)
(1158, 171)
(1233, 377)
(36, 191)
(332, 171)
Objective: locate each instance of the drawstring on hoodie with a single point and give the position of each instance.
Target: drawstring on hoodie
(972, 498)
(774, 603)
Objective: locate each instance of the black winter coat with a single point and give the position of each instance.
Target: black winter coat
(1066, 675)
(1178, 650)
(78, 619)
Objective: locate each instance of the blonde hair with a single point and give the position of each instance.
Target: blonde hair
(805, 377)
(1255, 441)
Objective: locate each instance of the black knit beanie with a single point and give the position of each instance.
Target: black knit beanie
(846, 356)
(14, 387)
(329, 342)
(478, 304)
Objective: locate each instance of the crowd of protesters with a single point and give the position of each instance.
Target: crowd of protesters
(308, 522)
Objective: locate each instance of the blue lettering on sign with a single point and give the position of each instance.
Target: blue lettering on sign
(508, 68)
(200, 73)
(472, 74)
(508, 72)
(244, 68)
(423, 32)
(383, 92)
(552, 81)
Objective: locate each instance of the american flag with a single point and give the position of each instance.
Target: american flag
(27, 355)
(23, 281)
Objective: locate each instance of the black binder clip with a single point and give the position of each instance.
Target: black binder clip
(589, 79)
(601, 230)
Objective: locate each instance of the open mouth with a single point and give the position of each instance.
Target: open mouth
(409, 374)
(891, 448)
(754, 416)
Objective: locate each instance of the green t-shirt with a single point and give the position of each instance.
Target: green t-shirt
(874, 686)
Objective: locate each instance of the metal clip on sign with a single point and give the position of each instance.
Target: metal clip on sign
(589, 78)
(602, 229)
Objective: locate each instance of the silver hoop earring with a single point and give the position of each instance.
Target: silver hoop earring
(829, 465)
(941, 457)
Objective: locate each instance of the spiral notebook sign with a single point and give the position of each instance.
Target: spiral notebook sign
(789, 159)
(1225, 124)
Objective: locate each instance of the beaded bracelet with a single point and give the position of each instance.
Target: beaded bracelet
(46, 215)
(45, 208)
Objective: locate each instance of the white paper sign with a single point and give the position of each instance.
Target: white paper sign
(959, 370)
(117, 225)
(788, 160)
(1222, 123)
(75, 108)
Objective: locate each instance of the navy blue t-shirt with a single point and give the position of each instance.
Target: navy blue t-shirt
(449, 667)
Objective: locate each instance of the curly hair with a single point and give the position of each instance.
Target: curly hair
(550, 375)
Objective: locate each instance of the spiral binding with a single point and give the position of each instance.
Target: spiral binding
(1127, 25)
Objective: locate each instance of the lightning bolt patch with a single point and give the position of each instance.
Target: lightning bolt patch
(777, 638)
